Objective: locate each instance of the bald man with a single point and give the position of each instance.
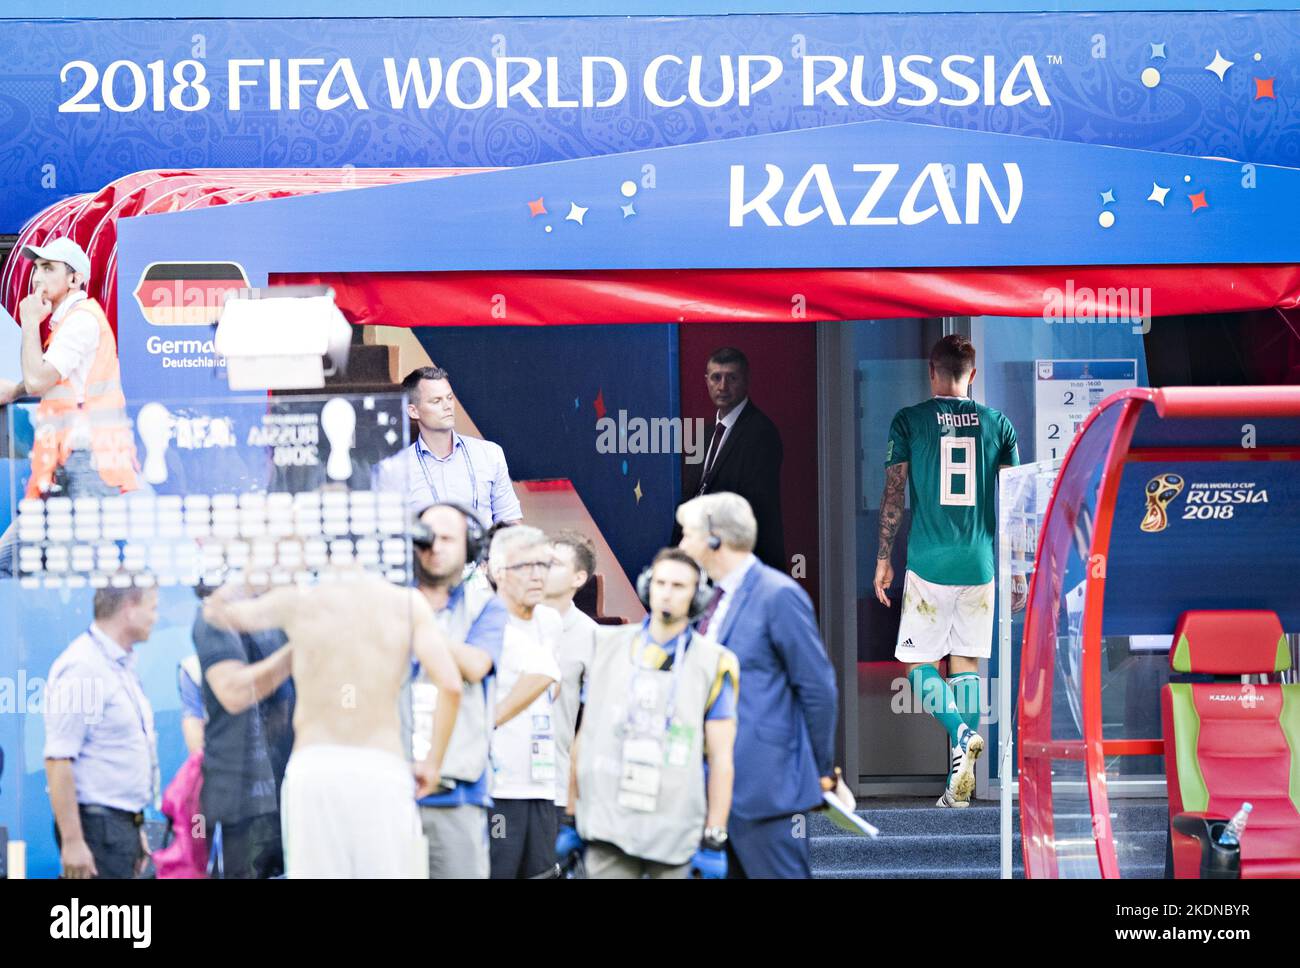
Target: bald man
(349, 795)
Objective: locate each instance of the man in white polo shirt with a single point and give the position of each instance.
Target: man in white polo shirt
(522, 825)
(442, 465)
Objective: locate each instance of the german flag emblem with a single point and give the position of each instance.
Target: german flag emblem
(187, 293)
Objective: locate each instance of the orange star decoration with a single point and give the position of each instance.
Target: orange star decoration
(599, 404)
(1198, 201)
(1264, 88)
(536, 208)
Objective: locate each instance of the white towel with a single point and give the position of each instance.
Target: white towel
(349, 811)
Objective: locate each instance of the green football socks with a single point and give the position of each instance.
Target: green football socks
(966, 689)
(937, 699)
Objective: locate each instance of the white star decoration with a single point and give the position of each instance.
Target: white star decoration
(1219, 65)
(1108, 196)
(1157, 50)
(628, 210)
(1157, 194)
(576, 212)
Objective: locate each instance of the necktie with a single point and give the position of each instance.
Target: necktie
(715, 443)
(706, 616)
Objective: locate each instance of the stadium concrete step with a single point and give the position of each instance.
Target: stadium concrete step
(920, 840)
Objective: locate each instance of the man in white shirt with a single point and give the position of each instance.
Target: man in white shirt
(573, 562)
(522, 827)
(59, 284)
(442, 465)
(101, 751)
(84, 446)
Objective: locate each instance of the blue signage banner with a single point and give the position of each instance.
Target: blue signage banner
(1202, 535)
(84, 102)
(874, 194)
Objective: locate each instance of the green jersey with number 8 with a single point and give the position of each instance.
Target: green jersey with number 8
(953, 447)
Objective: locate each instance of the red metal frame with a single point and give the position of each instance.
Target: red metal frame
(1073, 749)
(1172, 403)
(91, 219)
(1228, 401)
(1223, 454)
(1094, 595)
(1040, 858)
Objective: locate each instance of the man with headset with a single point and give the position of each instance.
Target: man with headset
(442, 465)
(455, 819)
(661, 701)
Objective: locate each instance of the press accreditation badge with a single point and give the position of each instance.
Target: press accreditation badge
(542, 763)
(646, 693)
(424, 703)
(639, 787)
(680, 741)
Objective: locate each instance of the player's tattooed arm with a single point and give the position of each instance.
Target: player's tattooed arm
(891, 508)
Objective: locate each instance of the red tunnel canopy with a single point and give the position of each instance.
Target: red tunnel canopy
(780, 296)
(91, 219)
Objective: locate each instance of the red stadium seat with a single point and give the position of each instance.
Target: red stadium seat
(1227, 743)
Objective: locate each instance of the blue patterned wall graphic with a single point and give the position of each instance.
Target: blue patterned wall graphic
(546, 419)
(1096, 71)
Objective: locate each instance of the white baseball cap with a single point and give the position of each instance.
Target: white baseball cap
(62, 249)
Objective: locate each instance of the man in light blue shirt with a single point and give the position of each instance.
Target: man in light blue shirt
(442, 465)
(101, 751)
(455, 820)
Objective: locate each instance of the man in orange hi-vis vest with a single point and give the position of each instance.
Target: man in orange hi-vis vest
(83, 444)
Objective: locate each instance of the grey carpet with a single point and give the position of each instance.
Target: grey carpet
(920, 840)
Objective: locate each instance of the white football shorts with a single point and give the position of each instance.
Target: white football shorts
(944, 620)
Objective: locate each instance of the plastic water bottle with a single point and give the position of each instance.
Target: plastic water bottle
(1231, 836)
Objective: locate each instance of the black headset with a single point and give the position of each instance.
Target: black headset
(475, 533)
(715, 542)
(703, 591)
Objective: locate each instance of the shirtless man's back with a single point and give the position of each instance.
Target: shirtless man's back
(348, 800)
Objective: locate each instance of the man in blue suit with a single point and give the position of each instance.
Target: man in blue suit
(785, 741)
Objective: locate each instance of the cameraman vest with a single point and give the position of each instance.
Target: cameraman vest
(103, 412)
(669, 834)
(466, 758)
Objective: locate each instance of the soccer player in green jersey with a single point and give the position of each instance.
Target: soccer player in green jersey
(947, 452)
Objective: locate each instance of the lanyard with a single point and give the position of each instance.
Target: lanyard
(124, 677)
(679, 660)
(469, 464)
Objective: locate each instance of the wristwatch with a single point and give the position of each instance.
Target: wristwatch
(715, 838)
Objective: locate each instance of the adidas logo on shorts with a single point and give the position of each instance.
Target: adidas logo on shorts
(906, 644)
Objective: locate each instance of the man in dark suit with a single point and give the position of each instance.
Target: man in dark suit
(743, 456)
(785, 741)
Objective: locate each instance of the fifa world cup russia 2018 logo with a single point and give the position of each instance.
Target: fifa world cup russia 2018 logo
(1161, 490)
